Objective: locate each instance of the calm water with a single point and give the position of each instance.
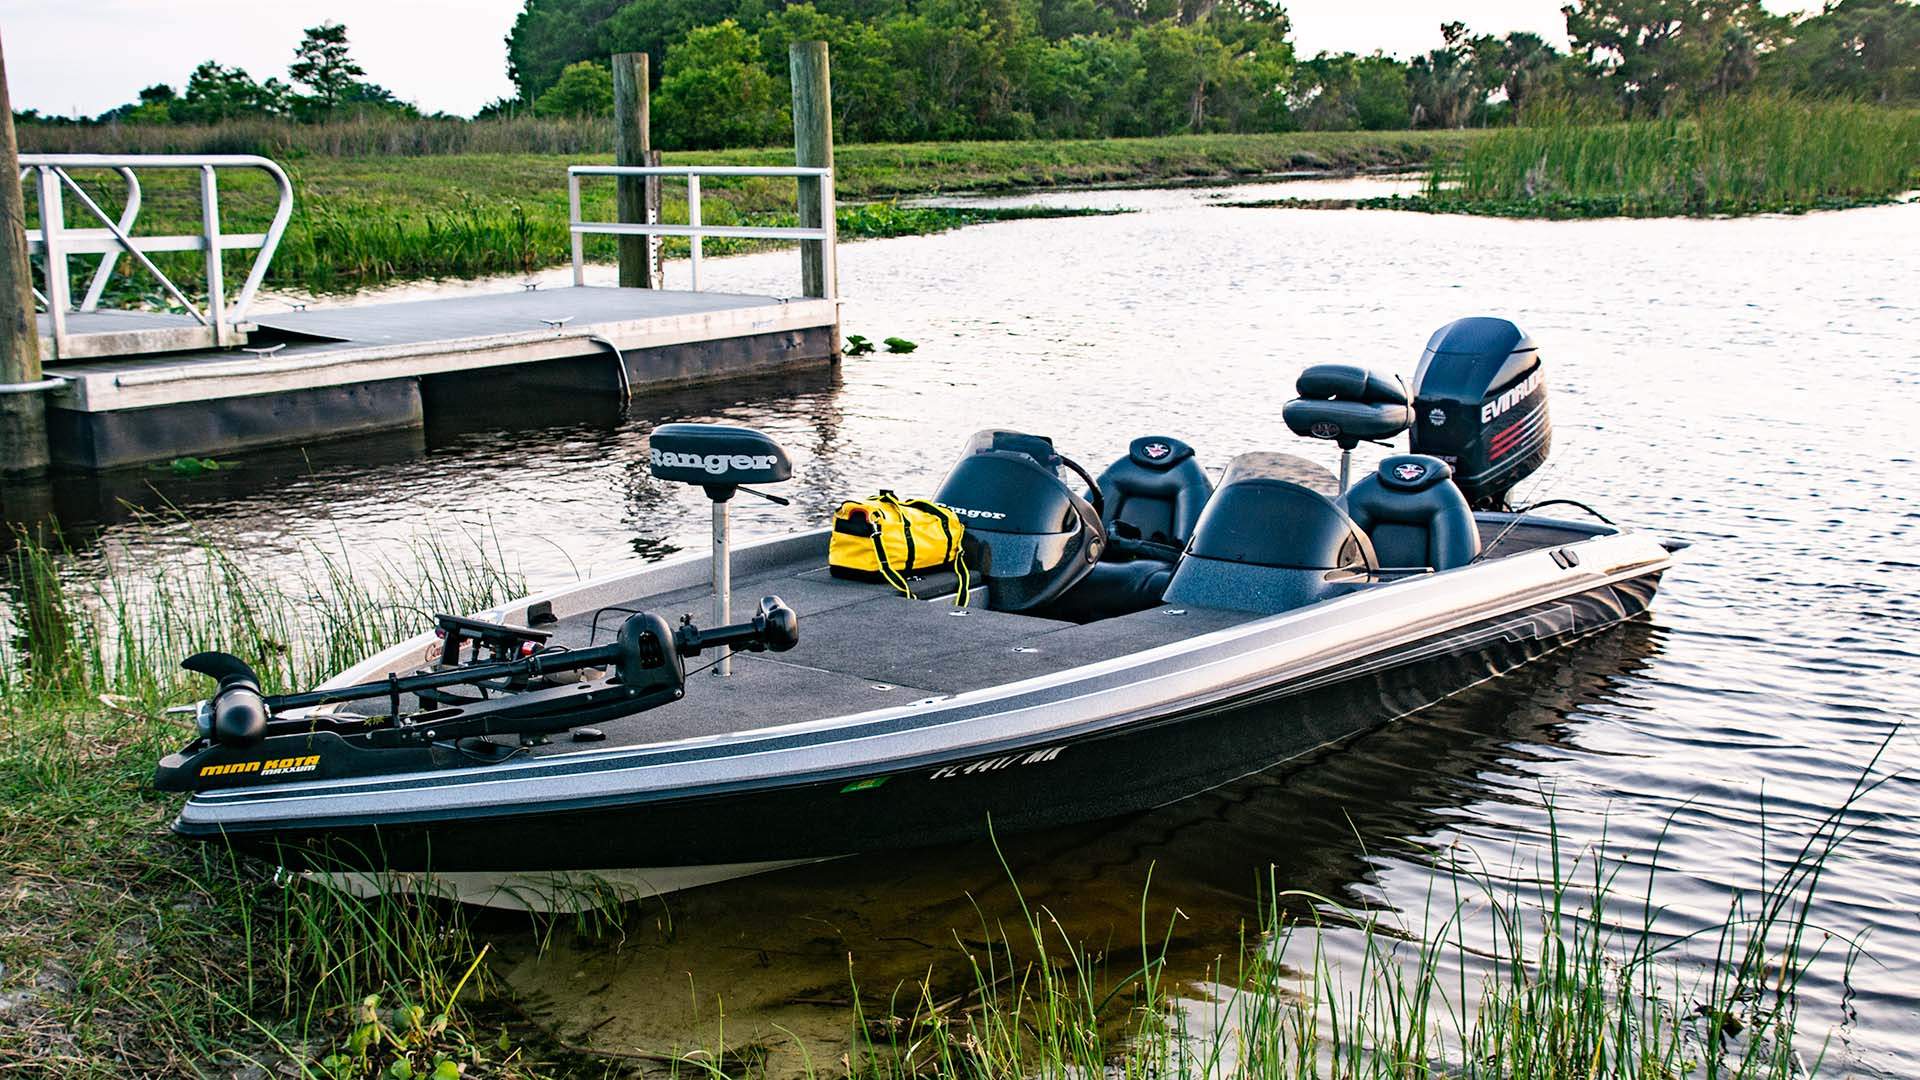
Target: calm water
(1747, 385)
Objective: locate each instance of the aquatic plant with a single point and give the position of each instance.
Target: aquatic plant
(1737, 156)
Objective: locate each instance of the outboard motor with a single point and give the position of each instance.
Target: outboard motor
(1029, 536)
(1480, 405)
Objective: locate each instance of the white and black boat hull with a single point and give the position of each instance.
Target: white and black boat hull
(1109, 739)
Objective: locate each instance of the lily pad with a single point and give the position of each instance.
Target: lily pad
(194, 466)
(899, 345)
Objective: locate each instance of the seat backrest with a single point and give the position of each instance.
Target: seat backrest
(1156, 492)
(1268, 544)
(1347, 404)
(1413, 515)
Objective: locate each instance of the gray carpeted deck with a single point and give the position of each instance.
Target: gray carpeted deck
(864, 646)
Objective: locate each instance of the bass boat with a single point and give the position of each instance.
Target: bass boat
(1106, 644)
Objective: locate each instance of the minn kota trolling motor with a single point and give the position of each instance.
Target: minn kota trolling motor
(520, 687)
(515, 684)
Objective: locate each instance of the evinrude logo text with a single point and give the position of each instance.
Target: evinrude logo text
(715, 464)
(1512, 397)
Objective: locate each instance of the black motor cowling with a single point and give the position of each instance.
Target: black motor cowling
(1480, 405)
(1028, 536)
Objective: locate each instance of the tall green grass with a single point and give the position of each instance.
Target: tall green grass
(363, 136)
(1737, 156)
(142, 956)
(148, 957)
(1496, 981)
(379, 201)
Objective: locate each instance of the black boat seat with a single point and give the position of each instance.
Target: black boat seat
(1267, 544)
(1155, 493)
(1414, 515)
(1151, 500)
(1348, 403)
(718, 457)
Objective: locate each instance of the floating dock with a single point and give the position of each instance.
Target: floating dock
(338, 371)
(130, 387)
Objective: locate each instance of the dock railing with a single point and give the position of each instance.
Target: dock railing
(694, 229)
(54, 240)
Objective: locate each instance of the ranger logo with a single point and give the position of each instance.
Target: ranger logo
(989, 515)
(715, 464)
(1157, 450)
(1409, 471)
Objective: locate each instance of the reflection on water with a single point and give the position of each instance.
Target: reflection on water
(1745, 384)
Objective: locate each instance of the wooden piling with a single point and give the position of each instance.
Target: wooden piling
(632, 143)
(813, 148)
(23, 418)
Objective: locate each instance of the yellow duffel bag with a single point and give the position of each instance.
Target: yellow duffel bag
(887, 538)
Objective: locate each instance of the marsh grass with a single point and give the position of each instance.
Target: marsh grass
(1495, 980)
(377, 202)
(128, 954)
(136, 955)
(1738, 156)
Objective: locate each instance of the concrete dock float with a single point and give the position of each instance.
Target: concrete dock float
(337, 371)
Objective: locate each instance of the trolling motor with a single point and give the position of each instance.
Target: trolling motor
(247, 736)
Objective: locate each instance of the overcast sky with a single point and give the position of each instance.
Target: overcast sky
(86, 56)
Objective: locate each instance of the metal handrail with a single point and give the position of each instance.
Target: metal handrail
(695, 229)
(56, 241)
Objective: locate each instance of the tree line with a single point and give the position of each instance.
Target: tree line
(912, 70)
(214, 92)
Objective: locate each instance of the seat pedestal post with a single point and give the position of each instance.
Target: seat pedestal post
(1346, 465)
(722, 574)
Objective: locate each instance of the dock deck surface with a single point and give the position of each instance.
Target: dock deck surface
(368, 342)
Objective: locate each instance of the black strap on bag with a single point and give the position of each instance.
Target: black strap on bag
(888, 573)
(954, 555)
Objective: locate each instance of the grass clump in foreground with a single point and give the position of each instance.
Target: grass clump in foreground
(1740, 155)
(1496, 983)
(126, 953)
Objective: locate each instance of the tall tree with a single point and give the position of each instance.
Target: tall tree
(1654, 54)
(1521, 65)
(1866, 49)
(1447, 84)
(548, 35)
(216, 92)
(321, 63)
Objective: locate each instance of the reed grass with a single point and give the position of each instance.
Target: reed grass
(1738, 156)
(386, 200)
(127, 954)
(1494, 983)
